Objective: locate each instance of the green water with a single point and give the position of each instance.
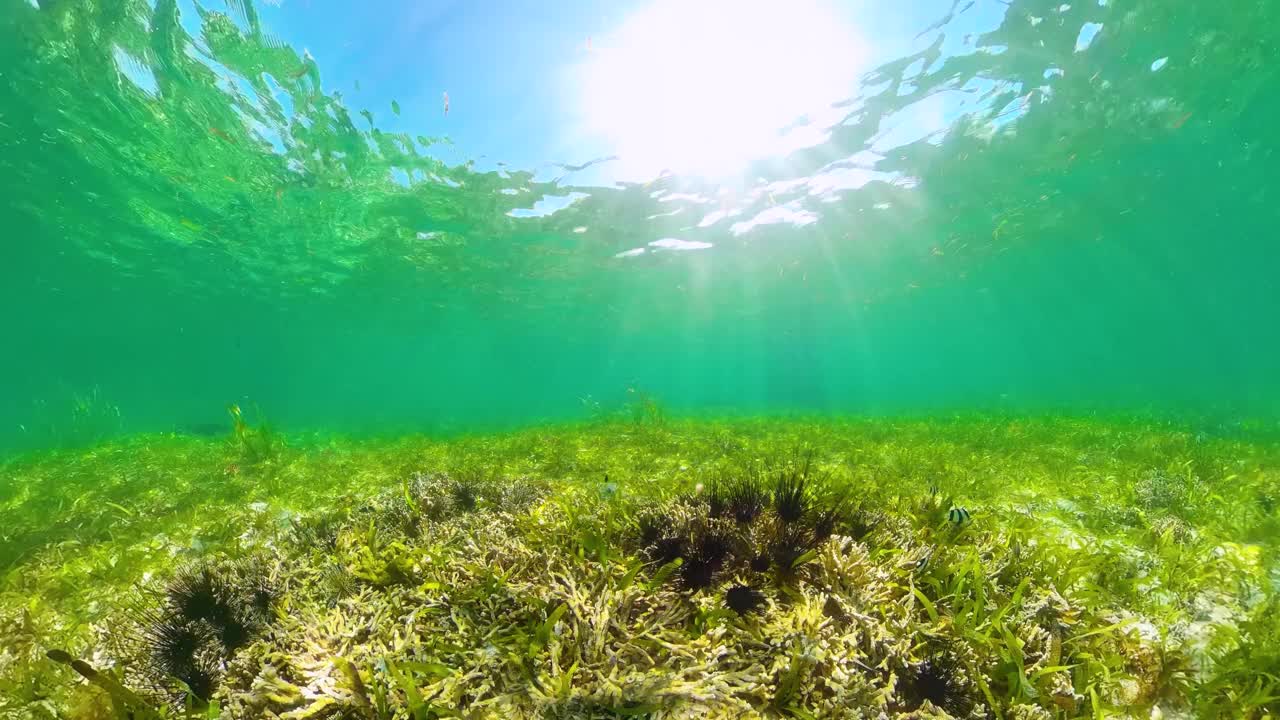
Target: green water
(982, 423)
(1090, 235)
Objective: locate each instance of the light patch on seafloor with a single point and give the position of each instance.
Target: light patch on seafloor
(789, 214)
(548, 205)
(580, 229)
(633, 252)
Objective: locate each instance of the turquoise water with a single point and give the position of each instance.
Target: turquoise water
(1029, 213)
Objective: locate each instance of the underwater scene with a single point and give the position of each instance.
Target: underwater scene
(416, 359)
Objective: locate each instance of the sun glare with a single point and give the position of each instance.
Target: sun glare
(705, 86)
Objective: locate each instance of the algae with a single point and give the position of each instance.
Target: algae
(631, 568)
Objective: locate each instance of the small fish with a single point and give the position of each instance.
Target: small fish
(958, 515)
(446, 104)
(924, 560)
(395, 107)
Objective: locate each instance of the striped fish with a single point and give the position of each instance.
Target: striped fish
(958, 515)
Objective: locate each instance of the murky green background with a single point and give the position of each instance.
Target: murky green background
(1088, 234)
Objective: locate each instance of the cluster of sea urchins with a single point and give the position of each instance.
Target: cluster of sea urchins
(207, 611)
(748, 527)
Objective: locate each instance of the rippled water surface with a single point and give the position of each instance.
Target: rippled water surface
(465, 217)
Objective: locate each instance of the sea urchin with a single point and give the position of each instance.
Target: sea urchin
(743, 599)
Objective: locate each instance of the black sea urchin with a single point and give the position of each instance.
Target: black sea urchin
(743, 599)
(234, 600)
(790, 545)
(201, 593)
(790, 497)
(650, 528)
(708, 553)
(745, 499)
(938, 682)
(464, 494)
(760, 563)
(179, 648)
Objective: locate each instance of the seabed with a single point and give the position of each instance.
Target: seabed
(964, 568)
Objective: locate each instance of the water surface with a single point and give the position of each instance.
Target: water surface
(1025, 207)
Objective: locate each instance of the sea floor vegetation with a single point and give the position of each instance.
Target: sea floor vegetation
(648, 567)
